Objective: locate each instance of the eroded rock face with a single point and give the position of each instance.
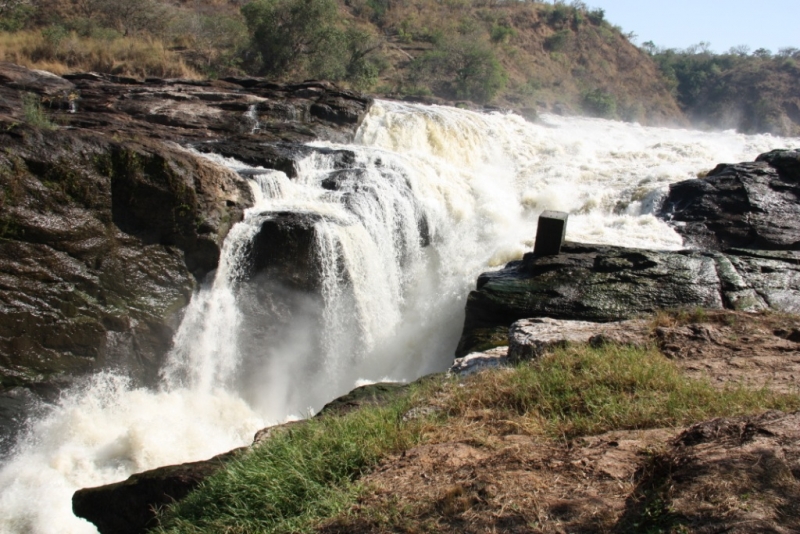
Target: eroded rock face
(106, 222)
(98, 243)
(603, 284)
(753, 205)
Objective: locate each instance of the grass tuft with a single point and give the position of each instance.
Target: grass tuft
(580, 390)
(299, 476)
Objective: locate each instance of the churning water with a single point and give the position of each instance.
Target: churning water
(434, 196)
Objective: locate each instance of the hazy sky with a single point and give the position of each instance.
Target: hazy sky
(770, 24)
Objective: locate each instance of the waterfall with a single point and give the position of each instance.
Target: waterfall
(433, 197)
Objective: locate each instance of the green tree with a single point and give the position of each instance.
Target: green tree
(295, 35)
(462, 66)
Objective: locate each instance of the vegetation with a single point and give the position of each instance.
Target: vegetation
(753, 92)
(527, 54)
(516, 54)
(310, 472)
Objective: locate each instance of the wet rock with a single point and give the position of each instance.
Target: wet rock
(129, 507)
(753, 205)
(98, 243)
(603, 284)
(284, 250)
(278, 156)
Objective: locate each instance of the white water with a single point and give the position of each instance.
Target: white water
(389, 307)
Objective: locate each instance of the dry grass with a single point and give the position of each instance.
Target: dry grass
(128, 56)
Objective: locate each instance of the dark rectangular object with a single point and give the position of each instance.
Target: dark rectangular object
(550, 233)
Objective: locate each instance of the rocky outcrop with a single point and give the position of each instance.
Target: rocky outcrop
(107, 221)
(603, 284)
(99, 240)
(529, 339)
(754, 205)
(129, 507)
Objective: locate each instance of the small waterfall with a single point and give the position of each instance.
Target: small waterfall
(252, 117)
(434, 196)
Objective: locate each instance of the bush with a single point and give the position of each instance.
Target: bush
(596, 16)
(34, 112)
(304, 38)
(558, 41)
(462, 67)
(599, 103)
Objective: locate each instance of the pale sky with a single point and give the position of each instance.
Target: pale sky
(771, 24)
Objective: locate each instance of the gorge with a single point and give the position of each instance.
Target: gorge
(351, 263)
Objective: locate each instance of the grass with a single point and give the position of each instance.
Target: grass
(298, 477)
(130, 56)
(309, 473)
(579, 390)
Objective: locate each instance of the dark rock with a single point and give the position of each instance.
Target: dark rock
(603, 284)
(370, 395)
(106, 223)
(129, 507)
(284, 249)
(754, 205)
(279, 156)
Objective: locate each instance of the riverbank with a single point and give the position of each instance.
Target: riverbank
(611, 438)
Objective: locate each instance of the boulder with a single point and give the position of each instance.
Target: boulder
(753, 205)
(129, 507)
(603, 284)
(529, 339)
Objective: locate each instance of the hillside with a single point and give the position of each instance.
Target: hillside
(527, 56)
(749, 92)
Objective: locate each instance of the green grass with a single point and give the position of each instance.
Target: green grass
(309, 472)
(580, 390)
(299, 476)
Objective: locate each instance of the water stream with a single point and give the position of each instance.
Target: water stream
(435, 196)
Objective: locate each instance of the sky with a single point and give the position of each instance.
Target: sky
(770, 24)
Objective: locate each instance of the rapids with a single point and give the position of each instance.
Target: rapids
(436, 195)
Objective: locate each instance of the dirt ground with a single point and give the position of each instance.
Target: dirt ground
(731, 475)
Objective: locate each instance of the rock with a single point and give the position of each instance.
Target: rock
(129, 507)
(282, 157)
(603, 284)
(528, 339)
(753, 205)
(106, 223)
(478, 361)
(284, 250)
(370, 395)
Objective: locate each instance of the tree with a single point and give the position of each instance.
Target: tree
(293, 34)
(462, 67)
(306, 38)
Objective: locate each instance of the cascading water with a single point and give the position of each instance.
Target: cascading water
(432, 197)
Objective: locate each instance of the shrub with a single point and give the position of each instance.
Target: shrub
(462, 67)
(596, 16)
(558, 41)
(600, 103)
(305, 38)
(34, 112)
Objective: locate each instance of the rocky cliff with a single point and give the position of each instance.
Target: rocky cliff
(108, 219)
